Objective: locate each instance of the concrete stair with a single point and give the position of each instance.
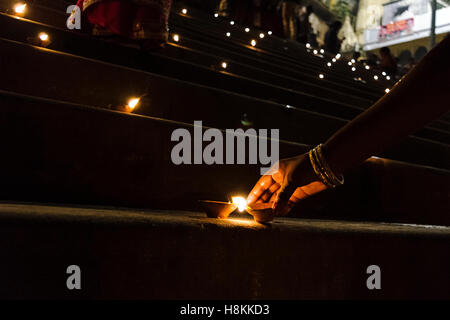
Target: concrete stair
(143, 254)
(83, 184)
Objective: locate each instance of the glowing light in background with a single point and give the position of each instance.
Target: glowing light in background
(375, 77)
(388, 78)
(308, 45)
(132, 103)
(367, 67)
(253, 42)
(240, 202)
(261, 35)
(322, 51)
(216, 15)
(321, 76)
(20, 8)
(349, 63)
(224, 65)
(315, 51)
(184, 11)
(247, 29)
(338, 56)
(228, 34)
(334, 60)
(176, 37)
(383, 73)
(269, 33)
(43, 36)
(352, 61)
(329, 64)
(353, 69)
(232, 22)
(387, 90)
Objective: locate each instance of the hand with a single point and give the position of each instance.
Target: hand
(292, 181)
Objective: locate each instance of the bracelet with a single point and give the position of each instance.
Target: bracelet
(322, 169)
(336, 180)
(317, 170)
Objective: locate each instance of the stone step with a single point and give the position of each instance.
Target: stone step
(70, 42)
(202, 52)
(439, 125)
(143, 254)
(67, 153)
(55, 75)
(59, 21)
(291, 53)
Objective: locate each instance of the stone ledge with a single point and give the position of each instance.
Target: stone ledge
(135, 254)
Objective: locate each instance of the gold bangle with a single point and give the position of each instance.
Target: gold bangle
(317, 170)
(329, 173)
(322, 168)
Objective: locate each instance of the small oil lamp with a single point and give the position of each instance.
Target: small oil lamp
(261, 212)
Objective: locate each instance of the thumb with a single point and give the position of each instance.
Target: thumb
(285, 193)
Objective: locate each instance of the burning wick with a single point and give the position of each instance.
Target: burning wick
(43, 36)
(132, 103)
(20, 8)
(240, 202)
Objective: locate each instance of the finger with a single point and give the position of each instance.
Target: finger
(285, 193)
(298, 194)
(269, 192)
(313, 188)
(285, 209)
(262, 185)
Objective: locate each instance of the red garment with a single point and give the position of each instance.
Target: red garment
(143, 19)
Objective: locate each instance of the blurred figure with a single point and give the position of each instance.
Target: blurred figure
(143, 20)
(304, 26)
(270, 18)
(411, 63)
(387, 61)
(332, 42)
(289, 14)
(224, 8)
(242, 12)
(257, 13)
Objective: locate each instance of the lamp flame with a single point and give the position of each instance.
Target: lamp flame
(132, 103)
(240, 202)
(43, 36)
(20, 8)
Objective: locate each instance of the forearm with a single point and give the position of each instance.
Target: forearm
(420, 97)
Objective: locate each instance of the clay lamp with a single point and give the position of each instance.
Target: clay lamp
(217, 209)
(221, 210)
(261, 212)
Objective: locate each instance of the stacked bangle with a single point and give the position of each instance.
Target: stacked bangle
(322, 169)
